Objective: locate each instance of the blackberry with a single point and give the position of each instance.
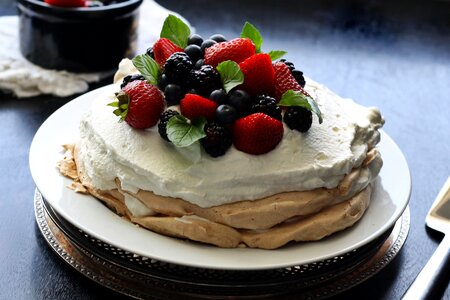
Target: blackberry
(299, 118)
(298, 75)
(217, 140)
(267, 105)
(205, 80)
(163, 119)
(150, 52)
(177, 68)
(129, 78)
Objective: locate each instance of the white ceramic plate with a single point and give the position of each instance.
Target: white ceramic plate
(390, 198)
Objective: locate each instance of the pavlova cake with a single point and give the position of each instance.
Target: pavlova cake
(218, 142)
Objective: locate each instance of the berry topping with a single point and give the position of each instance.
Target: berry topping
(267, 105)
(199, 63)
(195, 39)
(236, 50)
(257, 133)
(140, 104)
(219, 96)
(163, 49)
(241, 101)
(129, 78)
(205, 80)
(226, 114)
(194, 52)
(217, 140)
(66, 3)
(259, 74)
(298, 75)
(284, 80)
(150, 52)
(218, 38)
(298, 118)
(193, 106)
(173, 94)
(162, 125)
(177, 68)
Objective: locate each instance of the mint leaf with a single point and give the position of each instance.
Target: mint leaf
(230, 74)
(148, 67)
(250, 31)
(175, 30)
(297, 98)
(276, 54)
(182, 133)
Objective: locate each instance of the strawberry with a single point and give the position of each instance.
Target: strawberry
(163, 49)
(259, 75)
(140, 104)
(236, 50)
(193, 106)
(257, 133)
(66, 3)
(284, 80)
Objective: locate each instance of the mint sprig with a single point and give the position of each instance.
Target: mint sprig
(250, 31)
(297, 98)
(230, 74)
(175, 30)
(276, 54)
(148, 67)
(183, 133)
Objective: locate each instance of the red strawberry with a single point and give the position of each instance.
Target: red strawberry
(236, 50)
(284, 80)
(259, 76)
(140, 104)
(66, 3)
(193, 106)
(163, 49)
(257, 133)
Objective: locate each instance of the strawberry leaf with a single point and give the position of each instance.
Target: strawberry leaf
(297, 98)
(175, 30)
(148, 67)
(182, 133)
(250, 31)
(276, 54)
(230, 74)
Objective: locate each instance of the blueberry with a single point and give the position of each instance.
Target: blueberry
(195, 39)
(199, 63)
(207, 44)
(194, 52)
(173, 94)
(219, 96)
(241, 101)
(218, 38)
(162, 82)
(226, 114)
(192, 91)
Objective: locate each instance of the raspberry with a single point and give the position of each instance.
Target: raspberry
(298, 118)
(177, 68)
(218, 139)
(205, 80)
(267, 105)
(162, 125)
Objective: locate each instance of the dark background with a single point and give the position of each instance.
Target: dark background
(390, 54)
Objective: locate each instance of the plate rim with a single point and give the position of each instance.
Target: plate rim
(239, 266)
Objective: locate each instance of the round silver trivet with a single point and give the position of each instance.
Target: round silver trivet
(147, 278)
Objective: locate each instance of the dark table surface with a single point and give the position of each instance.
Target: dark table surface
(390, 54)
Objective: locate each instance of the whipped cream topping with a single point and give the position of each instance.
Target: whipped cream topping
(141, 159)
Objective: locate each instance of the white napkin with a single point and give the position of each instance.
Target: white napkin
(25, 79)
